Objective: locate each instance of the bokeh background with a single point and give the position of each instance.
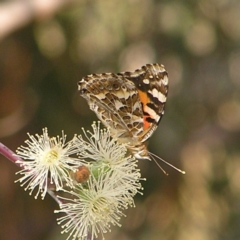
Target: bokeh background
(46, 47)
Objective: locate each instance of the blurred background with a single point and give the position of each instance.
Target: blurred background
(46, 47)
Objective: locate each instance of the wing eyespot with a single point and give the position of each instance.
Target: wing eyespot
(115, 86)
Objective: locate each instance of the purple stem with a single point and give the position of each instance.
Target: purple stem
(9, 154)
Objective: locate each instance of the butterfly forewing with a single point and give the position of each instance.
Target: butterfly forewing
(151, 82)
(129, 103)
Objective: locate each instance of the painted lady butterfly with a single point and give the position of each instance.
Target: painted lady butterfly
(131, 104)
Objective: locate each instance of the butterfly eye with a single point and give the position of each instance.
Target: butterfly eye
(82, 91)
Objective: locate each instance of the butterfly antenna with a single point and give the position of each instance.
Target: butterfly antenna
(159, 165)
(153, 156)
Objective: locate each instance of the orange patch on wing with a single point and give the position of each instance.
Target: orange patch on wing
(146, 124)
(144, 100)
(143, 97)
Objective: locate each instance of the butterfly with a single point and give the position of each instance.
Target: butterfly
(130, 104)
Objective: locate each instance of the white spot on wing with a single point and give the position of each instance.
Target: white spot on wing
(151, 112)
(154, 93)
(161, 97)
(146, 81)
(157, 94)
